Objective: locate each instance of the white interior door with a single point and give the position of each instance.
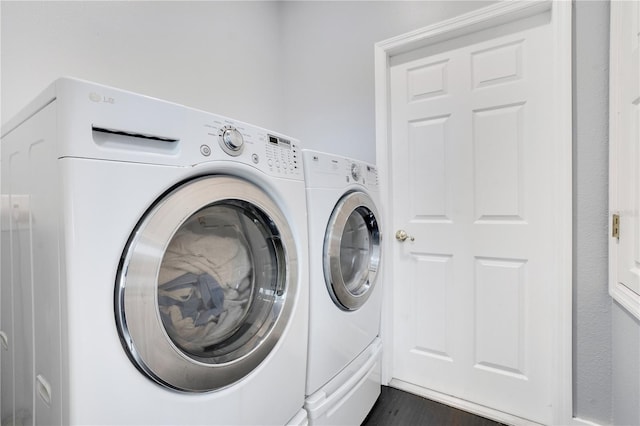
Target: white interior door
(471, 183)
(625, 153)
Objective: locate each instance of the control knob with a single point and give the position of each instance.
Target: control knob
(355, 172)
(231, 140)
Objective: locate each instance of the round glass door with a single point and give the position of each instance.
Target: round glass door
(352, 251)
(206, 284)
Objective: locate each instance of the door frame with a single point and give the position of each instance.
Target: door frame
(477, 20)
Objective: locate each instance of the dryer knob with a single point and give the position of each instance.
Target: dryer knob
(355, 172)
(232, 140)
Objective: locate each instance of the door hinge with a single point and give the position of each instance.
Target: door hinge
(615, 226)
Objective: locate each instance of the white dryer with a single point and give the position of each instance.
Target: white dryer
(343, 372)
(154, 265)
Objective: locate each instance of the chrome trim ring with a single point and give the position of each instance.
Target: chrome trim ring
(351, 293)
(139, 322)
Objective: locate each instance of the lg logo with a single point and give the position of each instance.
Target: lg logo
(96, 97)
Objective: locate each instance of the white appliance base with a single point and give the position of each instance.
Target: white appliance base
(348, 397)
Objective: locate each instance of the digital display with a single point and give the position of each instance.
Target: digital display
(280, 142)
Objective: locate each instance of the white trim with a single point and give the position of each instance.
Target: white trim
(487, 17)
(468, 23)
(618, 291)
(562, 21)
(628, 299)
(578, 421)
(476, 409)
(462, 404)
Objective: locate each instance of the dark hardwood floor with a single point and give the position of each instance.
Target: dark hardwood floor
(396, 407)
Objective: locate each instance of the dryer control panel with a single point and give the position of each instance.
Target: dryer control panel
(333, 171)
(362, 173)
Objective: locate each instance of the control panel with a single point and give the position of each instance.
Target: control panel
(282, 155)
(268, 151)
(334, 171)
(371, 173)
(361, 173)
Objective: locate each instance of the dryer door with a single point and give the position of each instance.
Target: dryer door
(206, 284)
(352, 251)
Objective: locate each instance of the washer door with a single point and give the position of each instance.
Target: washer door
(206, 284)
(352, 251)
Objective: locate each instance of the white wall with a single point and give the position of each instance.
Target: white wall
(232, 58)
(306, 68)
(329, 73)
(592, 350)
(221, 57)
(626, 368)
(606, 337)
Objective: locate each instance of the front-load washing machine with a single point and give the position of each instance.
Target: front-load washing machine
(343, 372)
(154, 265)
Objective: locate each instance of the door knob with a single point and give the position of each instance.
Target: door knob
(402, 235)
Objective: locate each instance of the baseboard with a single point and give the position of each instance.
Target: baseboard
(477, 409)
(578, 421)
(461, 404)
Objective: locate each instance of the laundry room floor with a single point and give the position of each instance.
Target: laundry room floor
(396, 407)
